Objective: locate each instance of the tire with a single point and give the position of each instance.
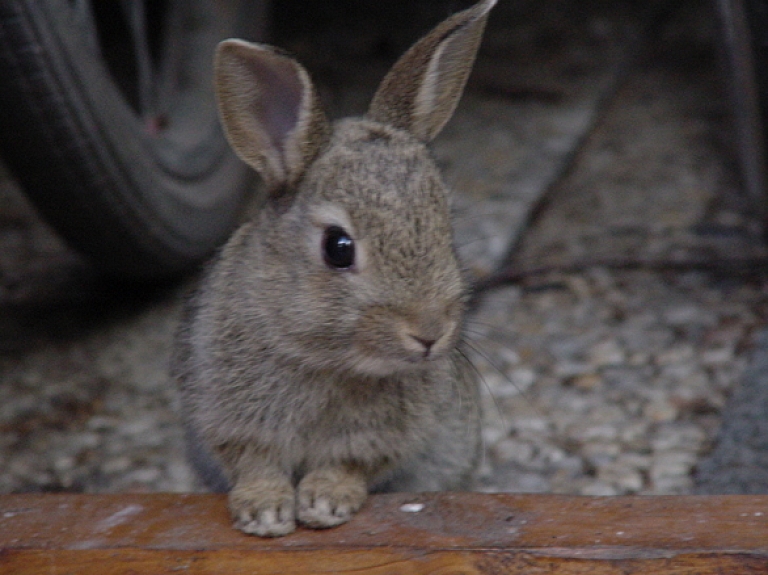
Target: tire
(145, 197)
(744, 29)
(757, 19)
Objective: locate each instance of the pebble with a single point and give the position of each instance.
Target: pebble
(686, 437)
(509, 450)
(588, 382)
(624, 478)
(598, 489)
(661, 410)
(717, 357)
(606, 353)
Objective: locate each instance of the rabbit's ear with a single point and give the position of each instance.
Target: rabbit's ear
(421, 91)
(269, 110)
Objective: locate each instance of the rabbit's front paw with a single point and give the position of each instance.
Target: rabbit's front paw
(328, 497)
(263, 507)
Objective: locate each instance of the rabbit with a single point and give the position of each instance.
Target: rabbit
(319, 358)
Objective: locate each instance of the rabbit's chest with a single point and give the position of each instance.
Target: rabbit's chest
(365, 427)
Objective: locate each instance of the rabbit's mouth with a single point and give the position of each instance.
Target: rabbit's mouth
(378, 366)
(391, 340)
(403, 354)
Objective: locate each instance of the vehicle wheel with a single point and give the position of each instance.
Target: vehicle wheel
(744, 27)
(108, 120)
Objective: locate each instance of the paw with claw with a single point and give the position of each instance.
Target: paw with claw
(264, 507)
(329, 497)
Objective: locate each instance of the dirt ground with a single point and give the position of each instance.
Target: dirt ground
(592, 153)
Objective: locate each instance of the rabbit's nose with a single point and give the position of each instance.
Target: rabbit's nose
(428, 332)
(426, 343)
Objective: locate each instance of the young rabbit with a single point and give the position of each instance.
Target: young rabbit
(318, 359)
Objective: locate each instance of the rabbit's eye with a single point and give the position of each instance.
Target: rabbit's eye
(338, 248)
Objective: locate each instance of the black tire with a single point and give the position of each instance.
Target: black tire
(744, 28)
(757, 18)
(144, 199)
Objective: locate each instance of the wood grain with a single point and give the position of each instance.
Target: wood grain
(453, 533)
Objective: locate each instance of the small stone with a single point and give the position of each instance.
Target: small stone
(411, 507)
(522, 378)
(588, 382)
(492, 433)
(533, 483)
(570, 369)
(511, 450)
(671, 485)
(671, 464)
(102, 423)
(551, 455)
(83, 441)
(64, 463)
(687, 437)
(599, 489)
(606, 353)
(181, 477)
(117, 465)
(636, 434)
(146, 475)
(717, 356)
(696, 380)
(676, 355)
(492, 381)
(600, 453)
(625, 477)
(579, 286)
(139, 426)
(697, 401)
(682, 315)
(508, 356)
(661, 410)
(565, 478)
(532, 424)
(639, 358)
(635, 460)
(676, 372)
(603, 432)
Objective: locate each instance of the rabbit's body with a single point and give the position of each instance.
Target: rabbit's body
(319, 360)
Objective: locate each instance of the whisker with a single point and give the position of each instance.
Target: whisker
(481, 329)
(477, 337)
(458, 369)
(498, 370)
(483, 450)
(499, 412)
(457, 389)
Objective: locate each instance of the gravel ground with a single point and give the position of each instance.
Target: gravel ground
(594, 140)
(739, 461)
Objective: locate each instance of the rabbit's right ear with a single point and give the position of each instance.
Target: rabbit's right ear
(269, 110)
(420, 92)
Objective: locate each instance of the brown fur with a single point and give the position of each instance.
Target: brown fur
(303, 386)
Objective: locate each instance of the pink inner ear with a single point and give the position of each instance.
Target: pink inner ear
(278, 105)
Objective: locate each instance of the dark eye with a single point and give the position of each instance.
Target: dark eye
(338, 248)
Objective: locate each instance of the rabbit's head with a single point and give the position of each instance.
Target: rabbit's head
(357, 261)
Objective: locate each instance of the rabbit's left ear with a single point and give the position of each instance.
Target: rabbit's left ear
(421, 91)
(269, 111)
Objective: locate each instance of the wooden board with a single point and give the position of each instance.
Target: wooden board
(453, 533)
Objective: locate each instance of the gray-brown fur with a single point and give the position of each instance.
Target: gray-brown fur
(304, 386)
(451, 49)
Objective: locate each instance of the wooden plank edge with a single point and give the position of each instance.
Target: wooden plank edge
(395, 533)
